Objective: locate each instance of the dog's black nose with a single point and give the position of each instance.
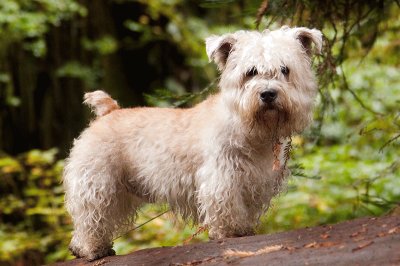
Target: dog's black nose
(268, 96)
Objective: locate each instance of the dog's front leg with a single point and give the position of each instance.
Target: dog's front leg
(223, 210)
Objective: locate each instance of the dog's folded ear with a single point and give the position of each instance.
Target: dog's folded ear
(218, 48)
(308, 36)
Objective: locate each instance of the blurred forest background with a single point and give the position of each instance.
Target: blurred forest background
(152, 52)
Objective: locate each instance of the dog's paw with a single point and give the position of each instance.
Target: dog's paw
(75, 251)
(246, 233)
(99, 255)
(217, 234)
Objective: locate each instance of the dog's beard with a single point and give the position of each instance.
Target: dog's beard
(271, 122)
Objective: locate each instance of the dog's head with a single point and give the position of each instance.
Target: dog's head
(267, 77)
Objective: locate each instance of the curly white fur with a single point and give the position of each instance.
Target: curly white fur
(212, 163)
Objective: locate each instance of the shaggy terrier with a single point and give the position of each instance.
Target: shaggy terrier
(217, 164)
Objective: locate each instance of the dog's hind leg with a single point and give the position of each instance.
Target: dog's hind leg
(100, 202)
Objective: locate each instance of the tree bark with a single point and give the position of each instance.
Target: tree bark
(365, 241)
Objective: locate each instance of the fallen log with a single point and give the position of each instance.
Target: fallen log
(365, 241)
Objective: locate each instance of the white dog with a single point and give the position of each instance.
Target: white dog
(214, 163)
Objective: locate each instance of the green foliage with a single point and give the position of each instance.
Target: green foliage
(355, 181)
(26, 23)
(76, 70)
(32, 216)
(166, 230)
(103, 46)
(32, 19)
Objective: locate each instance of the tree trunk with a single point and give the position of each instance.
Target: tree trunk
(365, 241)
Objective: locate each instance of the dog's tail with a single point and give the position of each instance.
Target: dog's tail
(100, 102)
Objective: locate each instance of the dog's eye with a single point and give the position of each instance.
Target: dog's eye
(252, 72)
(285, 70)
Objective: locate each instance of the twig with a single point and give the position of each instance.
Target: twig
(362, 246)
(389, 141)
(140, 225)
(261, 12)
(191, 96)
(242, 254)
(347, 87)
(199, 231)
